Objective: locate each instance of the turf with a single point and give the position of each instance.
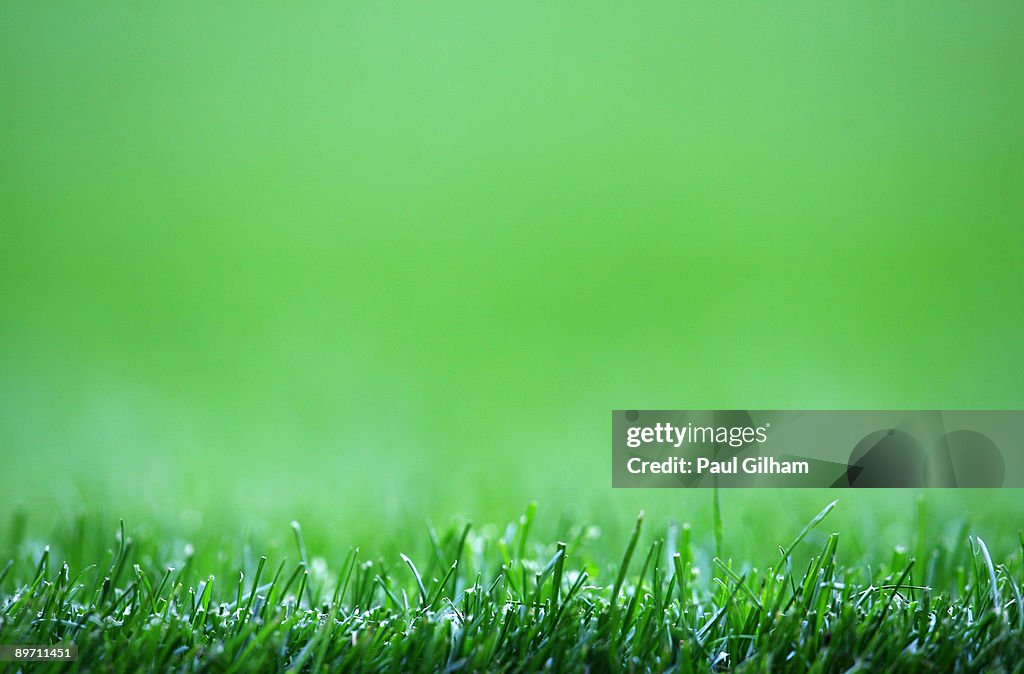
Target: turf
(502, 600)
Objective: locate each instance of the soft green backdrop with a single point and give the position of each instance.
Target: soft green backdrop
(371, 263)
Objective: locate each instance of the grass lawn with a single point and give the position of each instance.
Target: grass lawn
(507, 599)
(384, 269)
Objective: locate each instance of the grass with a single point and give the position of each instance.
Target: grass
(488, 601)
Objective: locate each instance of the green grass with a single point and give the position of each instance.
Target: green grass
(369, 265)
(491, 599)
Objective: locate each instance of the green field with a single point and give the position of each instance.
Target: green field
(485, 599)
(385, 269)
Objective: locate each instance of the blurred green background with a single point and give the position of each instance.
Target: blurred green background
(367, 264)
